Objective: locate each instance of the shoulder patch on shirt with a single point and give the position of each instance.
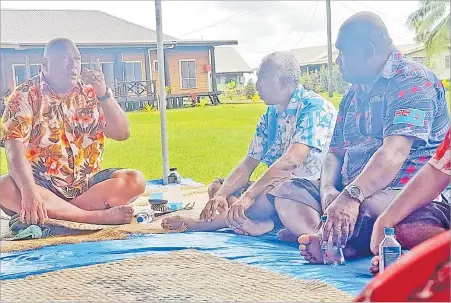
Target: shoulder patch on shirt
(409, 116)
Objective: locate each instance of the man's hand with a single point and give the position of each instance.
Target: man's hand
(235, 215)
(328, 195)
(217, 203)
(342, 215)
(96, 78)
(378, 233)
(33, 210)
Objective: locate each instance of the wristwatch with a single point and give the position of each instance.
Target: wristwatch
(108, 94)
(355, 192)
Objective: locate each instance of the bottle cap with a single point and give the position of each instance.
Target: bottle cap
(389, 231)
(324, 218)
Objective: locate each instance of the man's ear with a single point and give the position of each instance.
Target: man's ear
(370, 50)
(283, 82)
(44, 64)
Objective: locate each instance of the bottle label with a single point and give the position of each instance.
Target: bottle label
(390, 255)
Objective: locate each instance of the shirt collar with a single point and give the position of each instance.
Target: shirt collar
(294, 103)
(391, 66)
(46, 88)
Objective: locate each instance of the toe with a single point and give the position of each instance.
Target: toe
(304, 239)
(302, 247)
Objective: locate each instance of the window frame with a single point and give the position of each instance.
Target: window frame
(24, 65)
(195, 74)
(134, 61)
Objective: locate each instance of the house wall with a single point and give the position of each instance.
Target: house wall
(119, 55)
(437, 61)
(221, 80)
(173, 57)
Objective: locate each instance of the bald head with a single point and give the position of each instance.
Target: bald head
(58, 46)
(365, 26)
(364, 45)
(61, 64)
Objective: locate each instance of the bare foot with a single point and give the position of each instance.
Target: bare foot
(286, 235)
(255, 228)
(310, 248)
(180, 223)
(116, 215)
(374, 268)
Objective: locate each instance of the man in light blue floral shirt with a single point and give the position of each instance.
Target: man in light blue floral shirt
(292, 138)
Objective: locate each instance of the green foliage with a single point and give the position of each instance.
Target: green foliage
(149, 108)
(256, 97)
(318, 80)
(230, 91)
(249, 89)
(446, 85)
(431, 22)
(203, 102)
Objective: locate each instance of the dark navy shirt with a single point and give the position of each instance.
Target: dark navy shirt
(407, 99)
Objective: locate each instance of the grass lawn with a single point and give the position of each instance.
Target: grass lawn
(204, 143)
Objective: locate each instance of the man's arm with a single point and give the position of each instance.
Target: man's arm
(238, 177)
(17, 125)
(384, 165)
(419, 192)
(117, 124)
(281, 169)
(18, 166)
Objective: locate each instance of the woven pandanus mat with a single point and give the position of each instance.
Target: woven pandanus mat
(183, 276)
(72, 232)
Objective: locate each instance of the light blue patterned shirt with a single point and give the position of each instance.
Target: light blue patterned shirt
(308, 119)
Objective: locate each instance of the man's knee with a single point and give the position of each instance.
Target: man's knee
(8, 188)
(413, 233)
(133, 180)
(280, 205)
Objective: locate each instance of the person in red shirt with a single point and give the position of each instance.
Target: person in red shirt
(423, 274)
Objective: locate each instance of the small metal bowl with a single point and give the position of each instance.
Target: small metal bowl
(159, 205)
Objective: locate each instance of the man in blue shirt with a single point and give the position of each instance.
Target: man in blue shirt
(389, 125)
(292, 138)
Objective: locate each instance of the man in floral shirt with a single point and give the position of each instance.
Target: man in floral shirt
(54, 127)
(292, 139)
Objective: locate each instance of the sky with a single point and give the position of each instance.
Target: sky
(261, 27)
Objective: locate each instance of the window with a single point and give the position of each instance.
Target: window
(20, 74)
(421, 60)
(241, 79)
(133, 71)
(447, 62)
(188, 74)
(155, 66)
(108, 71)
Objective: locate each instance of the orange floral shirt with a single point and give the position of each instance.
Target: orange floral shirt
(64, 137)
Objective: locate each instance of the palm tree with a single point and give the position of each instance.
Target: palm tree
(431, 22)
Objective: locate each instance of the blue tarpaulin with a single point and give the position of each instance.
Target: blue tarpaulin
(264, 252)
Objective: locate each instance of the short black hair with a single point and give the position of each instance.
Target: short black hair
(366, 26)
(58, 44)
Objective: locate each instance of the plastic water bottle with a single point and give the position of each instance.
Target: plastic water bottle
(174, 176)
(145, 217)
(389, 249)
(330, 255)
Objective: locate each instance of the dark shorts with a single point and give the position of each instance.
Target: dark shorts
(307, 192)
(101, 176)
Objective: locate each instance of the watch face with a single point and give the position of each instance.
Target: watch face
(354, 191)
